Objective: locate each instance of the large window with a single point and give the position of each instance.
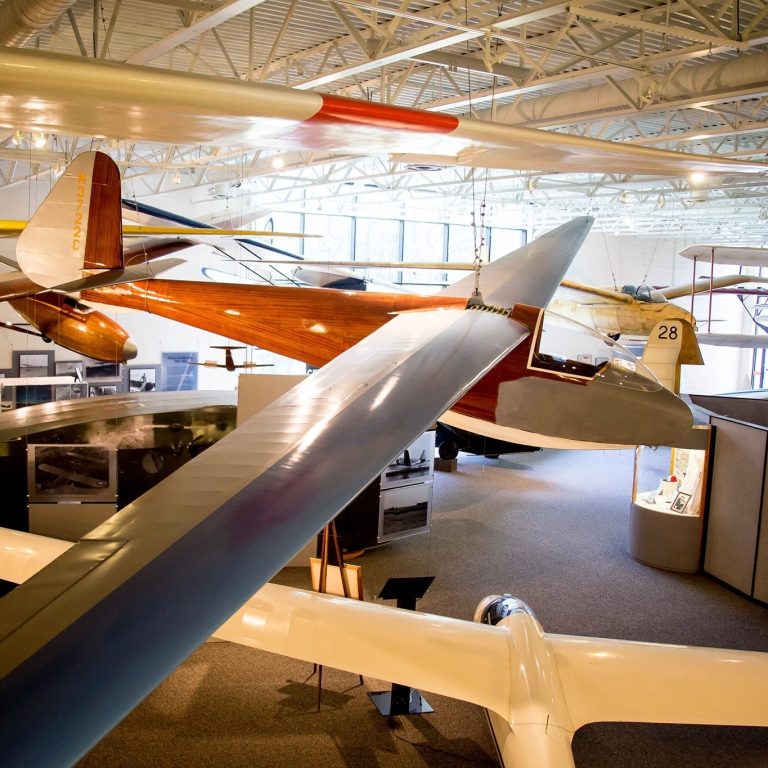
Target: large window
(423, 242)
(505, 240)
(335, 242)
(378, 240)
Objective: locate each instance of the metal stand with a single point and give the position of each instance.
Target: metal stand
(403, 700)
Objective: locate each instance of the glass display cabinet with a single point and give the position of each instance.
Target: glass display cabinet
(668, 503)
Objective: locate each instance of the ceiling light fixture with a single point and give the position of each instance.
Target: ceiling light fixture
(623, 196)
(660, 200)
(278, 162)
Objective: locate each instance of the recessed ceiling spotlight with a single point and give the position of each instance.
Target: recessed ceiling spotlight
(697, 177)
(278, 162)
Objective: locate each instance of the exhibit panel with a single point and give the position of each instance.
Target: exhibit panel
(736, 545)
(397, 503)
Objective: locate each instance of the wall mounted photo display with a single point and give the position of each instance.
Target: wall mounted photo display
(141, 378)
(100, 390)
(8, 396)
(28, 364)
(73, 368)
(96, 371)
(70, 391)
(680, 502)
(71, 472)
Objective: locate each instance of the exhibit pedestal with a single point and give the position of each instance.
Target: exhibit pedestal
(664, 539)
(666, 513)
(403, 700)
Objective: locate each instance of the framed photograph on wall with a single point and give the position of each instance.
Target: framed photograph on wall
(8, 397)
(73, 368)
(71, 472)
(74, 391)
(27, 365)
(100, 390)
(95, 372)
(141, 378)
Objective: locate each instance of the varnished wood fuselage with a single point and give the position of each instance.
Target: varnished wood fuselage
(313, 325)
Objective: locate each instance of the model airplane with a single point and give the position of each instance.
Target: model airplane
(229, 362)
(167, 570)
(512, 403)
(538, 688)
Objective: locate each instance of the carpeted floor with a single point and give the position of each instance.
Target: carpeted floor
(548, 527)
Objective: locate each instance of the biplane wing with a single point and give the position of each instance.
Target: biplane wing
(742, 255)
(182, 108)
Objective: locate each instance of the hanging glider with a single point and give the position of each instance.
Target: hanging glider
(74, 241)
(512, 403)
(160, 576)
(182, 108)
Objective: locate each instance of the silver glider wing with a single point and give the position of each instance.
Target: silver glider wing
(88, 637)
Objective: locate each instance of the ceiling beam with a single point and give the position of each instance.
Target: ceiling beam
(185, 34)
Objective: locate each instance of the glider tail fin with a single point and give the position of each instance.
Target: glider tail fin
(670, 344)
(78, 226)
(531, 274)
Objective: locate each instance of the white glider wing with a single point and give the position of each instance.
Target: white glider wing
(539, 688)
(79, 96)
(622, 681)
(88, 637)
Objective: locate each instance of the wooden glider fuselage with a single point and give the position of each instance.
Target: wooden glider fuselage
(316, 325)
(311, 325)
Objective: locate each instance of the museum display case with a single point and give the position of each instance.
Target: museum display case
(397, 503)
(668, 503)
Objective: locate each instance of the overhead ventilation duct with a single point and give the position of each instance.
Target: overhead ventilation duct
(22, 20)
(738, 77)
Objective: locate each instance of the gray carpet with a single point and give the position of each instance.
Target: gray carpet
(548, 527)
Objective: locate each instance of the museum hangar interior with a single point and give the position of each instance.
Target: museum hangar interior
(450, 135)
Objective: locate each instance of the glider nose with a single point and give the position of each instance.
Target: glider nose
(130, 350)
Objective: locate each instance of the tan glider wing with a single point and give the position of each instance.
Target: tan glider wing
(182, 108)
